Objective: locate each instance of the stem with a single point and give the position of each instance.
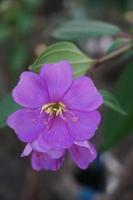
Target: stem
(114, 54)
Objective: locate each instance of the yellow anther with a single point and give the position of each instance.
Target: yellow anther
(53, 108)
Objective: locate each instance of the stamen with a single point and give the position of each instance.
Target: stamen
(74, 117)
(57, 109)
(63, 117)
(49, 121)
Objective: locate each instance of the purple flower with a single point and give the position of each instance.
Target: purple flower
(57, 110)
(41, 159)
(82, 153)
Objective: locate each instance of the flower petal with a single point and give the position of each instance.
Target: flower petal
(58, 77)
(83, 95)
(27, 123)
(56, 153)
(27, 150)
(31, 91)
(41, 161)
(53, 153)
(82, 153)
(84, 126)
(57, 137)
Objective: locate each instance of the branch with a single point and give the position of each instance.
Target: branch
(114, 54)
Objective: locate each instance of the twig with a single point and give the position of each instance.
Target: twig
(114, 54)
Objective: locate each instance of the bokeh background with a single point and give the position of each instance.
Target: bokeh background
(27, 27)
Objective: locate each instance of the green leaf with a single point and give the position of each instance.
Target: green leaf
(111, 101)
(64, 51)
(7, 106)
(115, 126)
(77, 29)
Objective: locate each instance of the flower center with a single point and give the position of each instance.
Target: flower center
(56, 109)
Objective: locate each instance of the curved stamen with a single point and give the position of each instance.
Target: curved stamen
(57, 109)
(74, 117)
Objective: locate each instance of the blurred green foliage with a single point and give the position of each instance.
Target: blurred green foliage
(115, 126)
(120, 5)
(111, 101)
(84, 29)
(7, 106)
(17, 22)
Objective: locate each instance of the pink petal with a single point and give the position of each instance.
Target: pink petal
(84, 125)
(31, 91)
(44, 161)
(27, 150)
(83, 95)
(53, 153)
(82, 153)
(26, 123)
(57, 137)
(58, 77)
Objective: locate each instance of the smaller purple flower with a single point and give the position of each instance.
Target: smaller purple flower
(40, 159)
(57, 110)
(82, 153)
